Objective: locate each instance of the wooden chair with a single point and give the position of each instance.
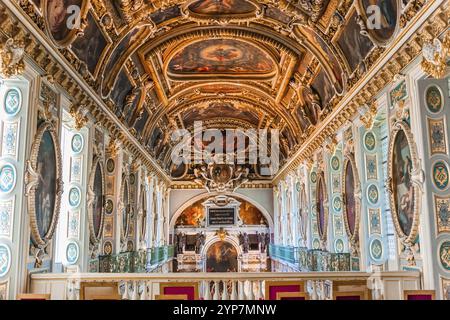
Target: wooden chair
(292, 296)
(351, 290)
(99, 291)
(419, 295)
(33, 296)
(273, 288)
(171, 297)
(190, 289)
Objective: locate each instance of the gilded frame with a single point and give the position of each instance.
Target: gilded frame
(95, 238)
(398, 126)
(322, 233)
(31, 181)
(74, 33)
(125, 207)
(144, 211)
(350, 160)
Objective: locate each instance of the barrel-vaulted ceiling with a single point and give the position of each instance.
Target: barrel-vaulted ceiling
(164, 64)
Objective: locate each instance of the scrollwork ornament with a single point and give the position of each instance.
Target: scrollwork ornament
(12, 52)
(435, 55)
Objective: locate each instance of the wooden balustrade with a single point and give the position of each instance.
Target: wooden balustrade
(224, 286)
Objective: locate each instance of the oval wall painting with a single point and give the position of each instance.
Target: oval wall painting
(350, 207)
(403, 189)
(97, 210)
(125, 210)
(45, 195)
(320, 206)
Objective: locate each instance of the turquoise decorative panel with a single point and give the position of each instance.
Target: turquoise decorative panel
(372, 194)
(5, 259)
(7, 178)
(370, 142)
(376, 249)
(434, 99)
(74, 196)
(77, 143)
(444, 255)
(440, 175)
(13, 102)
(72, 252)
(399, 93)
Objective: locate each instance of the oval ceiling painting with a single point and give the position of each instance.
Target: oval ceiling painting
(381, 18)
(222, 7)
(60, 18)
(223, 58)
(321, 207)
(349, 196)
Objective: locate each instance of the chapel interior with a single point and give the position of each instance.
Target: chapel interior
(224, 149)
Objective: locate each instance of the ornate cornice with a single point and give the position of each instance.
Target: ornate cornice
(38, 49)
(430, 22)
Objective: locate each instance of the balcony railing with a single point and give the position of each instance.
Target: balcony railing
(304, 259)
(225, 286)
(132, 261)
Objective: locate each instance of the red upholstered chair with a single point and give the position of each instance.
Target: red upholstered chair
(292, 296)
(190, 289)
(274, 288)
(356, 295)
(419, 295)
(351, 290)
(171, 297)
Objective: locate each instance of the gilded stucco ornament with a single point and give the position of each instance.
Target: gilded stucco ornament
(79, 115)
(435, 55)
(368, 114)
(11, 57)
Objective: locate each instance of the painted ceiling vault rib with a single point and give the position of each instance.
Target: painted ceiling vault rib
(69, 69)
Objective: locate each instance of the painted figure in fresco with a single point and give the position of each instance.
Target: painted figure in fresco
(45, 217)
(403, 187)
(46, 187)
(221, 7)
(221, 56)
(221, 257)
(56, 15)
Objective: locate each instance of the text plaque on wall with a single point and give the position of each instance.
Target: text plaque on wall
(221, 216)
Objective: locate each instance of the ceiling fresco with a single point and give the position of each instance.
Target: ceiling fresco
(162, 65)
(221, 58)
